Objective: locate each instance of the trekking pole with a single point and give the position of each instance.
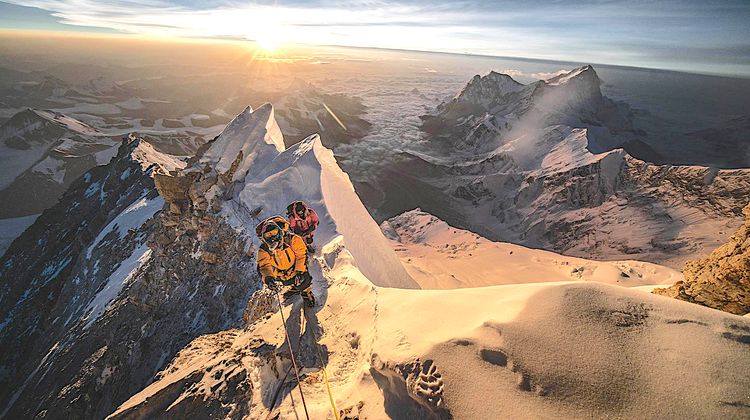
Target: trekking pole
(291, 353)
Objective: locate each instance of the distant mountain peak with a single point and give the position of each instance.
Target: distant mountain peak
(482, 90)
(250, 138)
(584, 73)
(139, 150)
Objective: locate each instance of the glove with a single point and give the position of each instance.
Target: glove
(271, 283)
(303, 280)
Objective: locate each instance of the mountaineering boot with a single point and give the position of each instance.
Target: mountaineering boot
(308, 298)
(290, 294)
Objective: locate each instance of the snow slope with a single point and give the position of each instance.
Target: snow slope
(41, 153)
(541, 350)
(29, 135)
(243, 142)
(439, 256)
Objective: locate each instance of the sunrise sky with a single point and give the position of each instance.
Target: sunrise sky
(683, 35)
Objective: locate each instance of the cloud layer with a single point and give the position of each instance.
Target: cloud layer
(684, 34)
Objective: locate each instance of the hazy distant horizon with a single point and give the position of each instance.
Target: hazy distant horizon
(50, 35)
(677, 35)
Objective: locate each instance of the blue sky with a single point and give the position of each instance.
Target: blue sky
(689, 35)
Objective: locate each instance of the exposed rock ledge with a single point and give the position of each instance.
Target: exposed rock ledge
(721, 280)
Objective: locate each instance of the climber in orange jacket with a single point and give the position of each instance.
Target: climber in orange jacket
(282, 258)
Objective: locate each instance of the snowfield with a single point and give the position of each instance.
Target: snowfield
(439, 256)
(541, 350)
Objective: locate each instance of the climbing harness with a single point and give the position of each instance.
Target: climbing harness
(294, 361)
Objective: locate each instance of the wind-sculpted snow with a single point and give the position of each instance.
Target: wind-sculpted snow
(244, 143)
(556, 350)
(439, 256)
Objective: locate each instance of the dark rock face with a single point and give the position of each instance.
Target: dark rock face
(40, 268)
(721, 280)
(104, 289)
(220, 388)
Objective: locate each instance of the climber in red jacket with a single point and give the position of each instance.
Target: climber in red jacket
(302, 221)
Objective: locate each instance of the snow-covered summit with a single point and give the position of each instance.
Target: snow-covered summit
(584, 73)
(558, 165)
(249, 140)
(151, 160)
(247, 173)
(484, 90)
(30, 120)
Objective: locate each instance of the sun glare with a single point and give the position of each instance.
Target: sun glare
(267, 32)
(268, 43)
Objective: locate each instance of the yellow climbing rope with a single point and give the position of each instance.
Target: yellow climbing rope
(330, 395)
(325, 374)
(320, 360)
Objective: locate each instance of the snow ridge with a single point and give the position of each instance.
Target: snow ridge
(245, 142)
(307, 171)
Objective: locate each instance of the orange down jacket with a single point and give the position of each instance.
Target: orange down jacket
(286, 261)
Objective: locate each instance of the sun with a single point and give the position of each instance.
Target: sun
(269, 43)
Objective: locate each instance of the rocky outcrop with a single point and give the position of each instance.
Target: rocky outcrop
(221, 388)
(117, 287)
(721, 280)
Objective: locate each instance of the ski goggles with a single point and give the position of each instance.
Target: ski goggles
(272, 234)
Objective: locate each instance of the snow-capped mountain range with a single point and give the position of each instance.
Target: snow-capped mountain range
(556, 165)
(136, 296)
(41, 153)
